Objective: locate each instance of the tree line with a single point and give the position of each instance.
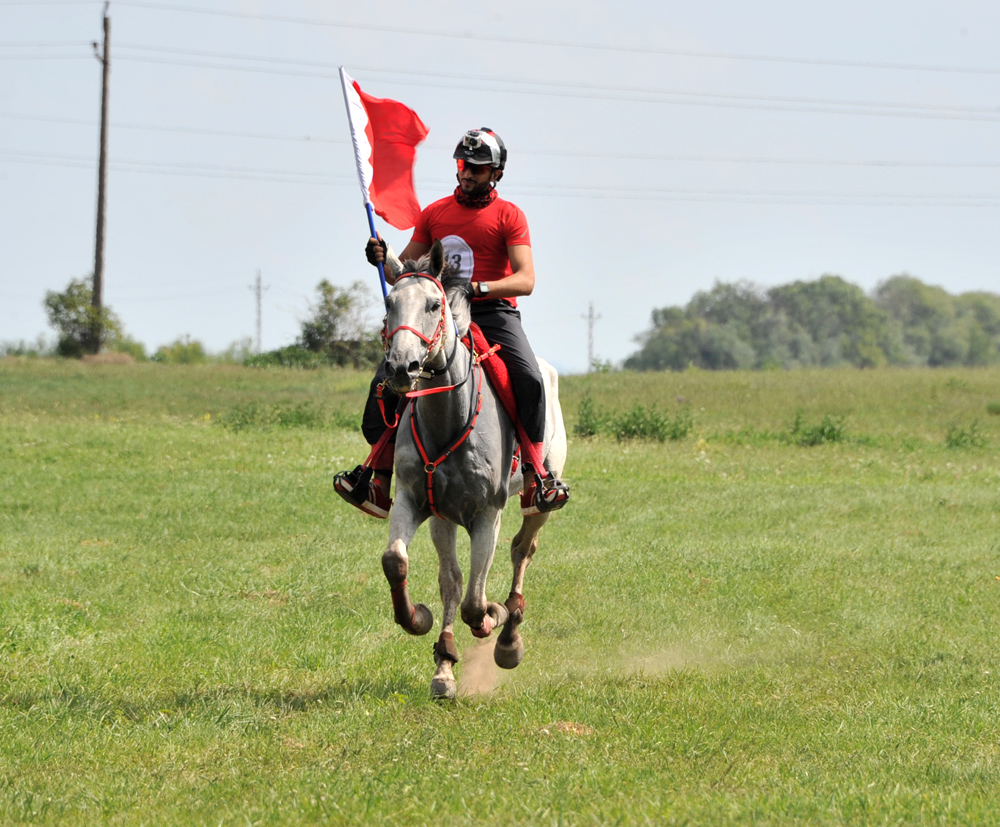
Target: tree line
(822, 323)
(338, 331)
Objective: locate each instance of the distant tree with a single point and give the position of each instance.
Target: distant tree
(846, 325)
(75, 318)
(981, 313)
(940, 329)
(927, 317)
(183, 351)
(339, 326)
(823, 322)
(678, 342)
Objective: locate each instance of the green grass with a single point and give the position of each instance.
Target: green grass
(729, 627)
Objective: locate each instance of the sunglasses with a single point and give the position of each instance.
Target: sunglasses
(475, 169)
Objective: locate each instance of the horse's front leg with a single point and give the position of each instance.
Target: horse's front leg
(443, 533)
(481, 616)
(510, 646)
(403, 524)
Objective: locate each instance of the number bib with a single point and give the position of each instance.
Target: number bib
(459, 255)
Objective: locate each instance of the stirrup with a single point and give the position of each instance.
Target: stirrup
(359, 489)
(543, 496)
(353, 485)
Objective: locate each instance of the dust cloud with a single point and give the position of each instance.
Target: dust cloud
(479, 675)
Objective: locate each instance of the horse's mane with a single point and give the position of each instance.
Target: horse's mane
(454, 284)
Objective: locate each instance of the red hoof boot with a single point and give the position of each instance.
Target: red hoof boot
(541, 496)
(362, 491)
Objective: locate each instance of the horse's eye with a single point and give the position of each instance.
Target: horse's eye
(433, 305)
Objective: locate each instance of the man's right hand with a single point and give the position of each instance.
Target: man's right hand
(375, 251)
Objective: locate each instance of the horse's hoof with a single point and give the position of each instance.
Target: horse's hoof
(499, 614)
(423, 620)
(509, 655)
(444, 689)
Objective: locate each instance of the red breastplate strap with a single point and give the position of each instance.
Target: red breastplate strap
(431, 465)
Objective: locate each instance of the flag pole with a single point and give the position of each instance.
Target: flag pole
(363, 165)
(381, 266)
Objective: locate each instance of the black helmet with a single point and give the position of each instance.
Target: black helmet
(482, 146)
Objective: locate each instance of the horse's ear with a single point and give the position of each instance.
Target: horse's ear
(437, 258)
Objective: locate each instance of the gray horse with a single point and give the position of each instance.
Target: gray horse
(454, 454)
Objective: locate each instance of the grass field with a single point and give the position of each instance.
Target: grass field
(725, 628)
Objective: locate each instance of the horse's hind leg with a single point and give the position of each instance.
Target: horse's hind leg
(510, 647)
(415, 619)
(443, 686)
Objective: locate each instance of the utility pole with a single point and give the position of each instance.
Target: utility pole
(591, 320)
(259, 290)
(97, 294)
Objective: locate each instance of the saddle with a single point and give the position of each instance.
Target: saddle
(496, 370)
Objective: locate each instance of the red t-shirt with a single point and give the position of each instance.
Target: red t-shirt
(475, 241)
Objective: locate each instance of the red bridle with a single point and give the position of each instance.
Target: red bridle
(439, 329)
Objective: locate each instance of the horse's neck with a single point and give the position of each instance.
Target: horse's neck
(442, 413)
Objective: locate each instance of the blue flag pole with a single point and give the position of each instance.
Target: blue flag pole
(381, 267)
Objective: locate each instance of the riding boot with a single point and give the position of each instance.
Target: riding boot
(367, 486)
(542, 491)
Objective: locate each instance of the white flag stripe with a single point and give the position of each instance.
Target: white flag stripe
(357, 117)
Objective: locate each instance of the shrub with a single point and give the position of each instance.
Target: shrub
(82, 328)
(830, 429)
(255, 416)
(993, 408)
(293, 356)
(182, 352)
(588, 421)
(640, 422)
(33, 350)
(958, 437)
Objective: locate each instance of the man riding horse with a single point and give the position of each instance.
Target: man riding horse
(486, 239)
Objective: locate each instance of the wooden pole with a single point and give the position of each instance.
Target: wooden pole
(97, 296)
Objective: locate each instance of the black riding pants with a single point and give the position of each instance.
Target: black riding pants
(501, 324)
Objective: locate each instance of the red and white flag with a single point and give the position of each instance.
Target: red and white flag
(385, 134)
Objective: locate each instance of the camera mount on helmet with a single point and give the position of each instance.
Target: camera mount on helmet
(482, 146)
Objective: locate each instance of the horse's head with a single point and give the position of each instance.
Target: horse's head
(425, 309)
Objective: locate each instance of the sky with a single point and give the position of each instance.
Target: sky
(655, 146)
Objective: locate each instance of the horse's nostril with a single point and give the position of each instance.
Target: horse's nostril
(414, 367)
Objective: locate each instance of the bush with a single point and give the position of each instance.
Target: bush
(293, 356)
(82, 328)
(830, 429)
(638, 422)
(958, 437)
(137, 350)
(588, 422)
(255, 416)
(31, 350)
(182, 352)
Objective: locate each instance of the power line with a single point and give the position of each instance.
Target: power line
(621, 156)
(52, 44)
(614, 91)
(590, 46)
(686, 98)
(44, 57)
(626, 193)
(227, 133)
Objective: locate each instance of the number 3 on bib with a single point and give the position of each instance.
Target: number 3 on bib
(459, 255)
